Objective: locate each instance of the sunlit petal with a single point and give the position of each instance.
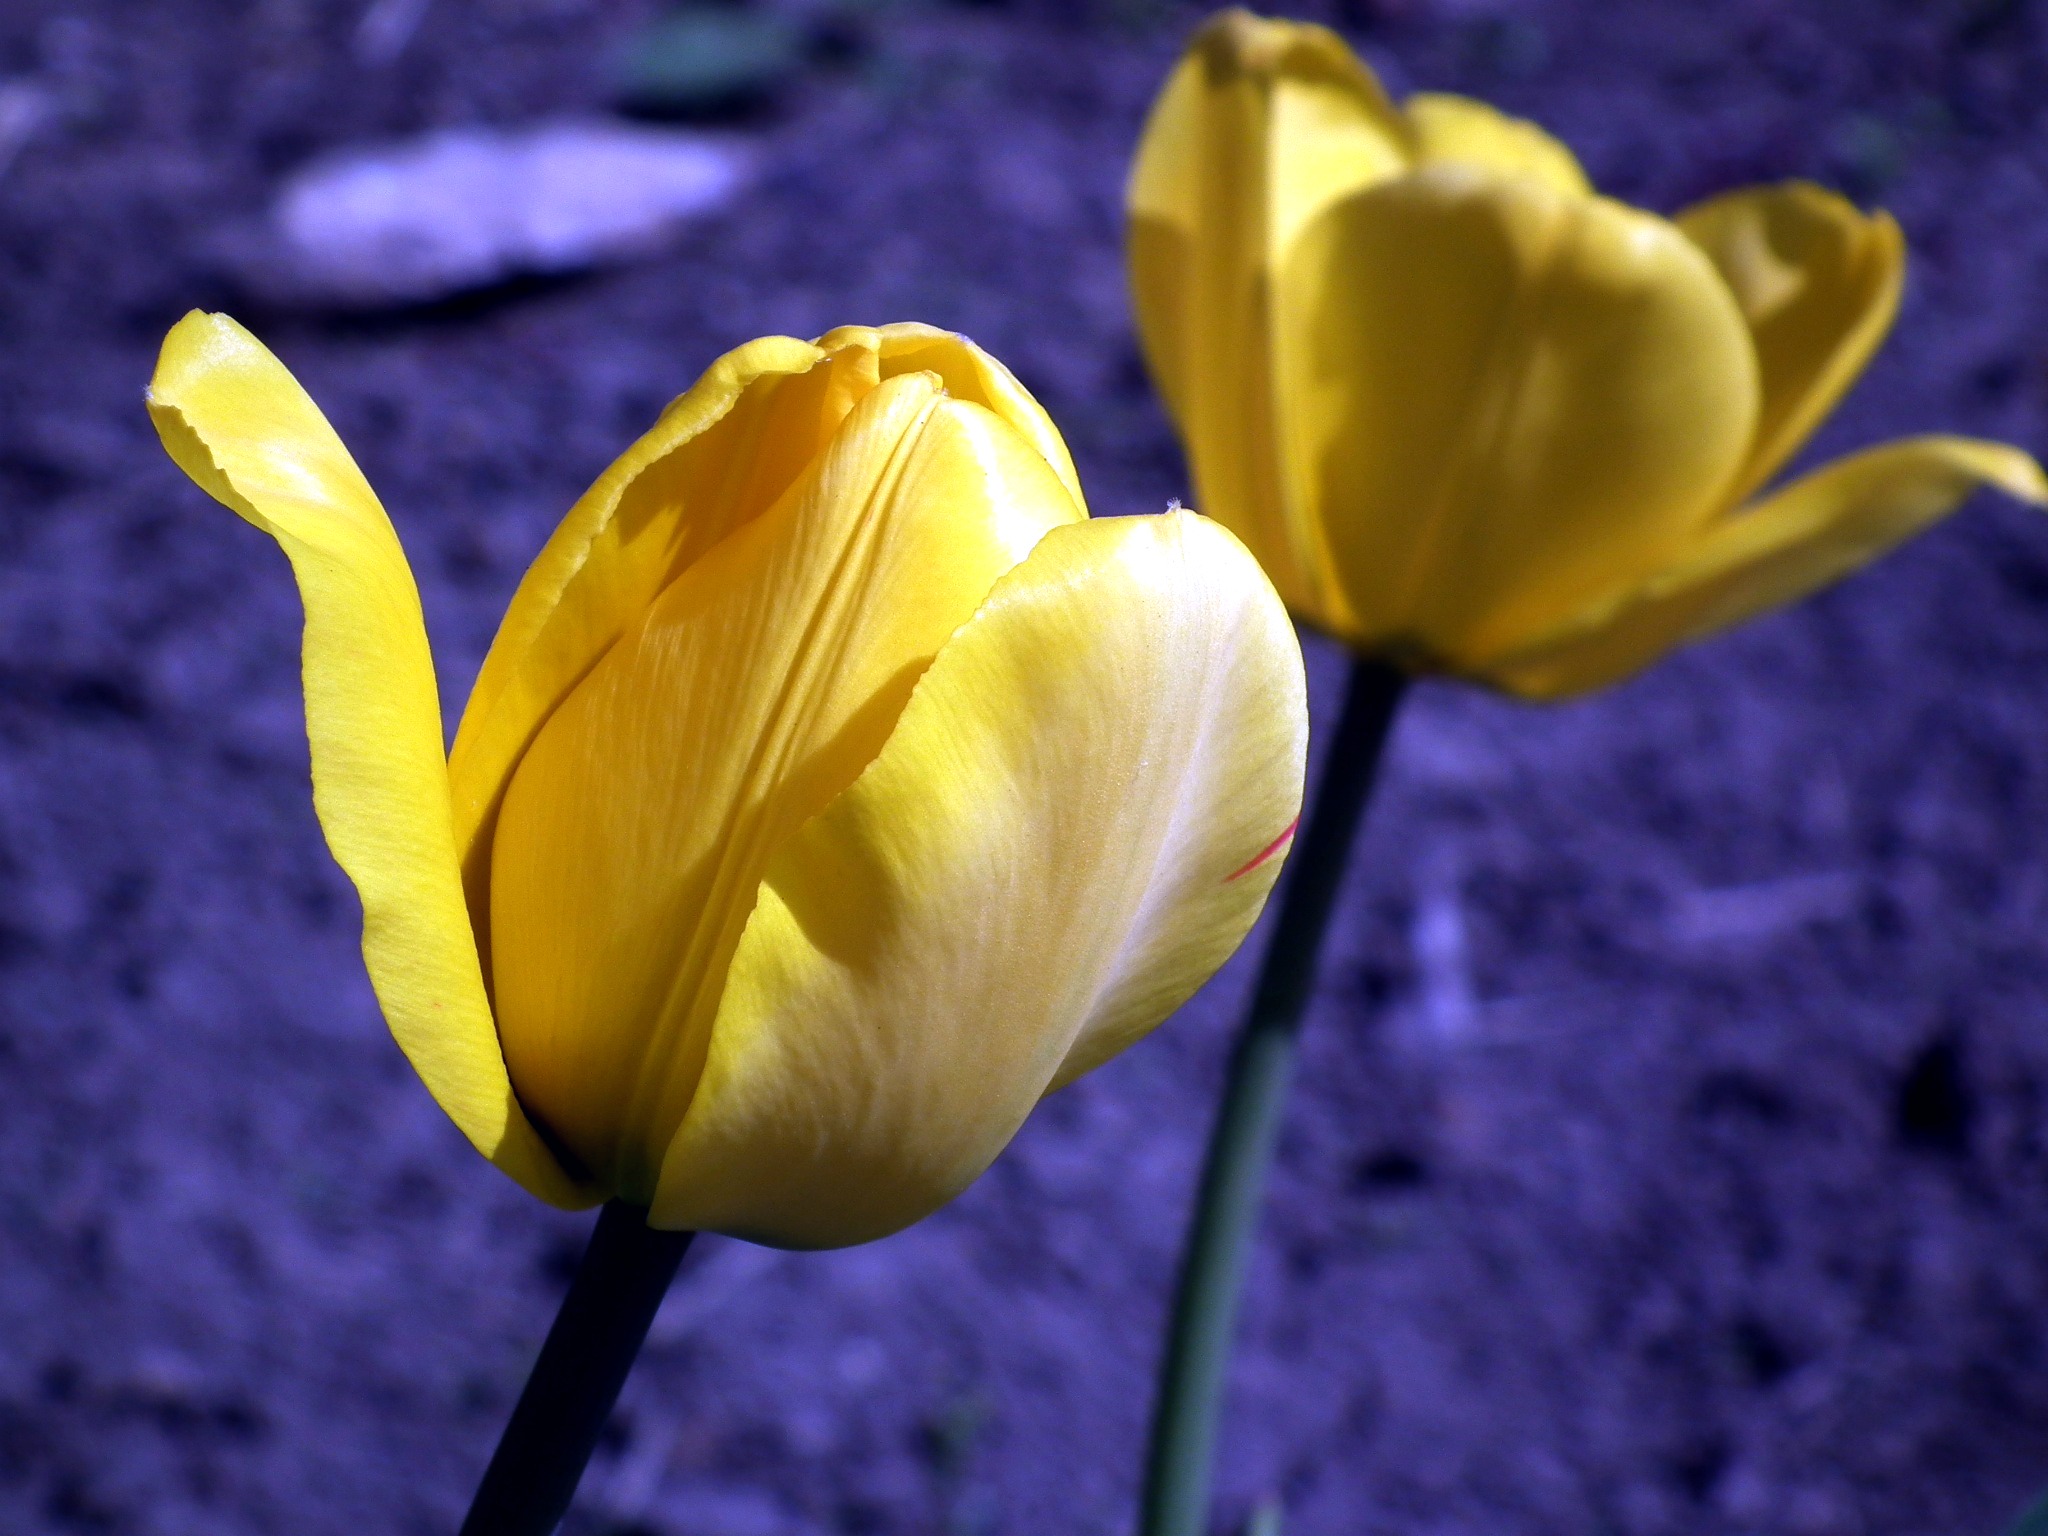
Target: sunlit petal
(1076, 819)
(1812, 533)
(1460, 129)
(970, 374)
(239, 424)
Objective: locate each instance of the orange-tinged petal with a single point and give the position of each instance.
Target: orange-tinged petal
(1818, 283)
(1457, 128)
(757, 686)
(1262, 125)
(1503, 400)
(239, 424)
(1059, 842)
(1803, 538)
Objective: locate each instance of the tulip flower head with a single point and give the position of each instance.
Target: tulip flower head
(834, 788)
(1475, 418)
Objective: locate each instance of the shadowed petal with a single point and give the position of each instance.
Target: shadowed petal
(718, 457)
(1506, 399)
(1818, 283)
(1061, 840)
(757, 686)
(240, 425)
(1261, 126)
(1812, 533)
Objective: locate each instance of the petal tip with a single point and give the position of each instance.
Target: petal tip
(2027, 482)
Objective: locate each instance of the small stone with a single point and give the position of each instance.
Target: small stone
(25, 108)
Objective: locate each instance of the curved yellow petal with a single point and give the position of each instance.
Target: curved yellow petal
(756, 687)
(1810, 534)
(1819, 285)
(239, 424)
(972, 375)
(1075, 821)
(1261, 126)
(1503, 400)
(719, 456)
(1458, 128)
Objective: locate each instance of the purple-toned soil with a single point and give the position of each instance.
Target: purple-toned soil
(1670, 1151)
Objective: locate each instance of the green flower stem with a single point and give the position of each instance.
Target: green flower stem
(2033, 1521)
(1177, 1474)
(625, 1272)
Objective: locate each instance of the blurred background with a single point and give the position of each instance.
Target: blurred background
(1670, 1153)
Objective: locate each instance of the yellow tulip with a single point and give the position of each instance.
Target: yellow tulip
(835, 786)
(1475, 418)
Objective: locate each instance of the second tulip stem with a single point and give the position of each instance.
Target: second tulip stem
(1177, 1474)
(2033, 1520)
(604, 1319)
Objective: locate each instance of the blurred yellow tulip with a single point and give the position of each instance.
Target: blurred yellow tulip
(834, 788)
(1475, 418)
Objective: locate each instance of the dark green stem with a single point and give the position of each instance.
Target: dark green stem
(2033, 1521)
(1177, 1475)
(625, 1272)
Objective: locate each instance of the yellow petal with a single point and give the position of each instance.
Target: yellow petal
(718, 457)
(1502, 401)
(1812, 533)
(1818, 283)
(1075, 821)
(241, 426)
(970, 374)
(1461, 129)
(1261, 126)
(757, 686)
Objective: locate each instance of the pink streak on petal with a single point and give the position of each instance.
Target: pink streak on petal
(1266, 852)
